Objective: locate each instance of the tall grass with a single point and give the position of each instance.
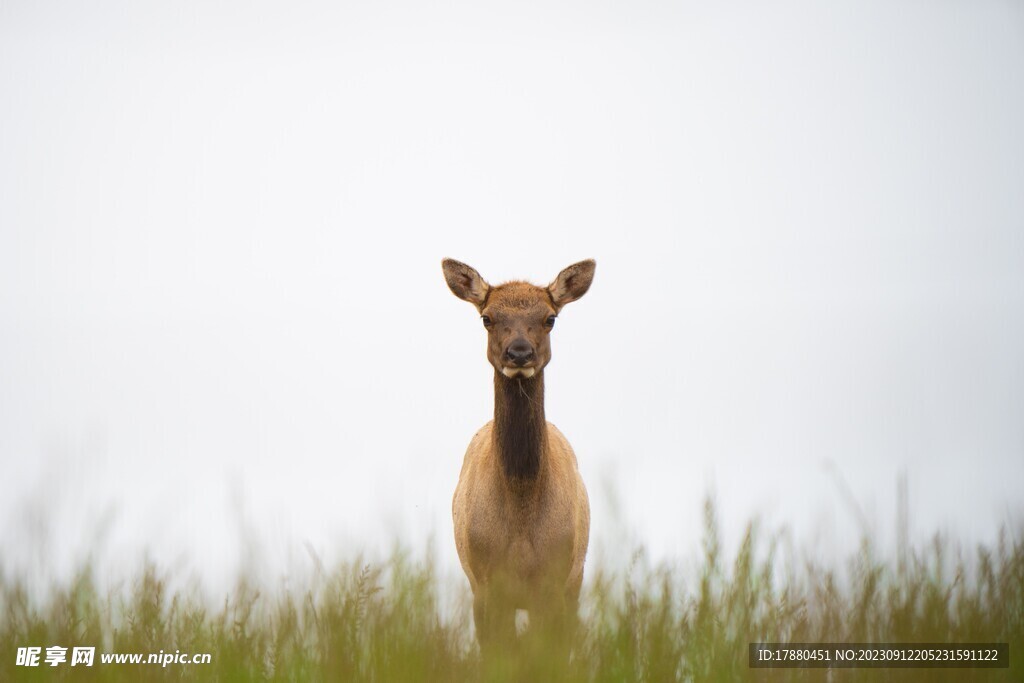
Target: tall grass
(385, 622)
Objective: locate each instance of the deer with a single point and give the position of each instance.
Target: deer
(520, 510)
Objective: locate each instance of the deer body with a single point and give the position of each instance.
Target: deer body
(527, 539)
(520, 510)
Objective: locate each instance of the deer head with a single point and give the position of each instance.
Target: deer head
(518, 316)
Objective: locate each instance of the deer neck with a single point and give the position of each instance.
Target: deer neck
(520, 429)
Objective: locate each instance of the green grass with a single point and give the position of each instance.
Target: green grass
(386, 622)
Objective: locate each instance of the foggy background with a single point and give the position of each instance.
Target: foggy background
(225, 338)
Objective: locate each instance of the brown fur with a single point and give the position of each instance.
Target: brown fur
(521, 513)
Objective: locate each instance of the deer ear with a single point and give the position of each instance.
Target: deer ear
(572, 283)
(465, 282)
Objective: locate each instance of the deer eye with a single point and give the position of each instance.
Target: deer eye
(550, 322)
(486, 320)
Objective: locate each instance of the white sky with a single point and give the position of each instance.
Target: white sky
(221, 227)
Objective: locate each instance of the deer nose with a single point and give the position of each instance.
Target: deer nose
(519, 352)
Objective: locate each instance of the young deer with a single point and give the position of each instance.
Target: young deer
(522, 518)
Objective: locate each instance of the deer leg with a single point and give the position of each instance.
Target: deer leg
(495, 622)
(550, 636)
(572, 614)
